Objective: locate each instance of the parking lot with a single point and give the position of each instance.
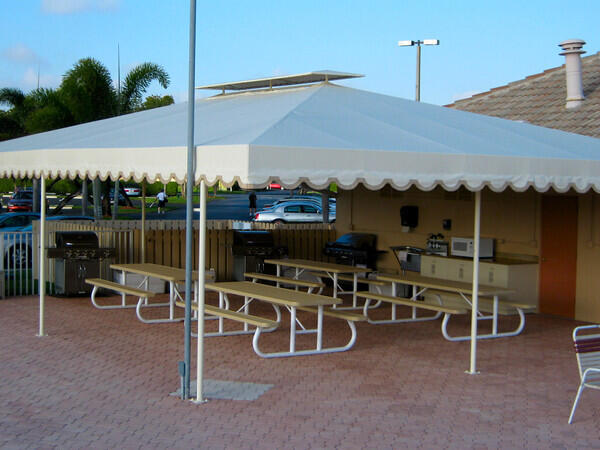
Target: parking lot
(227, 207)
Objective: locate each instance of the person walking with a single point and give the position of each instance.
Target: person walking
(252, 203)
(161, 198)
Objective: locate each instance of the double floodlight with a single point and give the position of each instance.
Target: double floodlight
(424, 42)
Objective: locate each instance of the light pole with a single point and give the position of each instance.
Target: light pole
(418, 44)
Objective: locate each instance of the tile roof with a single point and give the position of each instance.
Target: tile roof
(540, 100)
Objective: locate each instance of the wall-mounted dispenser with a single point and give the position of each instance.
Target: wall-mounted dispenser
(409, 217)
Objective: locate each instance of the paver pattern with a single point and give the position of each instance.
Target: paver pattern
(101, 379)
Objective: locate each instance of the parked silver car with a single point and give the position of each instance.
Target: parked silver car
(310, 198)
(302, 211)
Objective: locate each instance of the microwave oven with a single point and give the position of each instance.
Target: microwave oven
(465, 247)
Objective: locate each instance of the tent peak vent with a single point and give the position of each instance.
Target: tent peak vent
(284, 80)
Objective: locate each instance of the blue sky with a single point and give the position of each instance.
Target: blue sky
(484, 44)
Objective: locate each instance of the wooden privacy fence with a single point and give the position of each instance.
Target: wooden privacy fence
(165, 241)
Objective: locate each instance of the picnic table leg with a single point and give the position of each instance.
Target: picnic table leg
(246, 311)
(93, 296)
(394, 290)
(171, 299)
(124, 278)
(354, 289)
(293, 329)
(415, 294)
(335, 285)
(221, 301)
(495, 316)
(320, 328)
(146, 283)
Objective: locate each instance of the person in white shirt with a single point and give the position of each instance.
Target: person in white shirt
(161, 198)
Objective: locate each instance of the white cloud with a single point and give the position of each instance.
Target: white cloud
(77, 6)
(20, 53)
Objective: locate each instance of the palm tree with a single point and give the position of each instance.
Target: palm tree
(88, 91)
(12, 122)
(137, 82)
(40, 110)
(47, 111)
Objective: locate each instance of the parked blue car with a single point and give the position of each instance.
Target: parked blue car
(15, 229)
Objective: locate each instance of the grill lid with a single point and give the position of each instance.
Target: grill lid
(355, 241)
(79, 239)
(253, 238)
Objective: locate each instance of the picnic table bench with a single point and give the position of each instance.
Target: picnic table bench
(142, 295)
(437, 308)
(280, 280)
(260, 323)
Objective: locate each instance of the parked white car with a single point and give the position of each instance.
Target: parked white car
(133, 191)
(293, 212)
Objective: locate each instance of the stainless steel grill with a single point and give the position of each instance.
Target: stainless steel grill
(250, 249)
(77, 258)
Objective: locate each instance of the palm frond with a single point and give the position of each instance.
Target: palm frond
(12, 96)
(137, 82)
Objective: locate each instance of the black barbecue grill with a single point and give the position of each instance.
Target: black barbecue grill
(253, 243)
(354, 249)
(77, 257)
(250, 249)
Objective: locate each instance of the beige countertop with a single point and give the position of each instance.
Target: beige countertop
(504, 260)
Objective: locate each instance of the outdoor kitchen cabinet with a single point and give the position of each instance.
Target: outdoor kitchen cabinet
(434, 267)
(522, 276)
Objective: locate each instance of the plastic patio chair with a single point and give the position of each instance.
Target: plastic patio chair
(587, 349)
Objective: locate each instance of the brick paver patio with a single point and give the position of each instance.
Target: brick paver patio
(101, 379)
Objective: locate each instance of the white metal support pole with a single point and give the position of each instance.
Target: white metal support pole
(475, 296)
(143, 221)
(42, 253)
(201, 292)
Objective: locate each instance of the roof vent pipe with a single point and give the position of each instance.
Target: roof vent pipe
(572, 52)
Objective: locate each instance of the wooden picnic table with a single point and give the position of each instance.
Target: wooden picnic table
(332, 270)
(437, 286)
(292, 300)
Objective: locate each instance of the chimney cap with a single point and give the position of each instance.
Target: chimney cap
(572, 46)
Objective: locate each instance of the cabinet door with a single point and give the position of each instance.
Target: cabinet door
(461, 270)
(433, 267)
(493, 274)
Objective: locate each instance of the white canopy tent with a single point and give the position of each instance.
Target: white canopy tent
(317, 135)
